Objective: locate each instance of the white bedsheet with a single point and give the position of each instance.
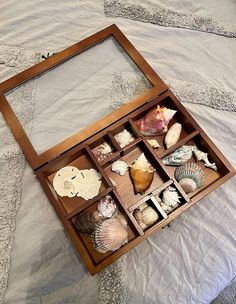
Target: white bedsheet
(188, 263)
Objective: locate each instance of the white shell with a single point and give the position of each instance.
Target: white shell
(64, 181)
(170, 197)
(190, 176)
(89, 183)
(124, 138)
(107, 207)
(204, 157)
(173, 135)
(153, 143)
(149, 216)
(120, 167)
(109, 235)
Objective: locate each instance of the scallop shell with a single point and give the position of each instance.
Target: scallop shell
(190, 176)
(109, 235)
(107, 207)
(173, 135)
(180, 156)
(141, 174)
(120, 167)
(124, 138)
(64, 181)
(170, 197)
(85, 222)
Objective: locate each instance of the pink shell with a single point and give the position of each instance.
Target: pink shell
(109, 235)
(155, 121)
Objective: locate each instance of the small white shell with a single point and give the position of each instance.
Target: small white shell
(204, 157)
(173, 135)
(120, 167)
(109, 235)
(149, 216)
(170, 197)
(107, 207)
(124, 138)
(153, 143)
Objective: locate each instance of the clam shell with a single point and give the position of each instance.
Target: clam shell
(179, 156)
(170, 197)
(190, 176)
(107, 207)
(84, 222)
(173, 135)
(109, 235)
(149, 216)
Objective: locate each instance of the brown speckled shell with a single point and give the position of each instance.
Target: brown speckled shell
(85, 222)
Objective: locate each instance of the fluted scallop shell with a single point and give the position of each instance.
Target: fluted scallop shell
(190, 176)
(85, 222)
(179, 156)
(109, 235)
(107, 207)
(170, 197)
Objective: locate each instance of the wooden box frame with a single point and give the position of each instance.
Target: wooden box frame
(80, 145)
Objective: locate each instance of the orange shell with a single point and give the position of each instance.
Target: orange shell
(142, 179)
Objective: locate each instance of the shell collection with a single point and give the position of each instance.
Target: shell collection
(145, 216)
(142, 174)
(124, 138)
(102, 151)
(170, 199)
(70, 181)
(109, 235)
(120, 167)
(180, 156)
(190, 176)
(173, 134)
(155, 121)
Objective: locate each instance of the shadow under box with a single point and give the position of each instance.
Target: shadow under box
(124, 185)
(82, 161)
(97, 256)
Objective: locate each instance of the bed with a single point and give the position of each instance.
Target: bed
(192, 260)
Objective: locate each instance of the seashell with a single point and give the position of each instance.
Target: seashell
(149, 216)
(143, 206)
(102, 151)
(171, 197)
(97, 216)
(64, 181)
(120, 167)
(179, 156)
(84, 222)
(141, 174)
(166, 208)
(173, 135)
(204, 157)
(190, 176)
(138, 216)
(155, 121)
(88, 183)
(124, 138)
(107, 207)
(121, 218)
(109, 235)
(153, 143)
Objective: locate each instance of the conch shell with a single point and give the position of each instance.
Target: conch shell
(141, 174)
(155, 122)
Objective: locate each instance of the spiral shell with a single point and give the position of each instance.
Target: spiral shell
(84, 222)
(109, 235)
(190, 176)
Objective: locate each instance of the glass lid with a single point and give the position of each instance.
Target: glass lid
(70, 96)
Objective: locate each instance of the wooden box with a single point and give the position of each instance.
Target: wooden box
(77, 150)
